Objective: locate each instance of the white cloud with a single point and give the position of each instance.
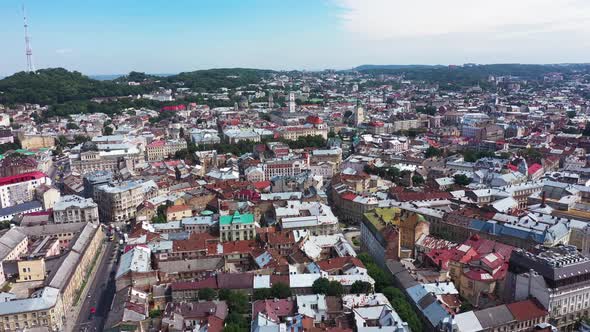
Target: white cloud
(391, 19)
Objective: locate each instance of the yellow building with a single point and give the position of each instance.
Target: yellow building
(31, 270)
(177, 212)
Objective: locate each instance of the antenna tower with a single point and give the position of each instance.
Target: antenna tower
(28, 50)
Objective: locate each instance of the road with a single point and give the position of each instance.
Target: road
(100, 294)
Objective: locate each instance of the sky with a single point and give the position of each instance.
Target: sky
(165, 36)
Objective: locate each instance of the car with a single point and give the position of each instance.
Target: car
(92, 310)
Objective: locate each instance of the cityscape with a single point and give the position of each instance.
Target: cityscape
(367, 198)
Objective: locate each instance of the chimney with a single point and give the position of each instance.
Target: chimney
(543, 199)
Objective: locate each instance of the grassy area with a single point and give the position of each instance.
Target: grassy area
(7, 287)
(86, 277)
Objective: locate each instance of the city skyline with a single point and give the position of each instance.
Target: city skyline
(115, 38)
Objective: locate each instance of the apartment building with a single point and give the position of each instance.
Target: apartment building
(237, 227)
(72, 209)
(18, 189)
(118, 202)
(159, 150)
(558, 277)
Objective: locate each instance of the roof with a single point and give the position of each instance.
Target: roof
(246, 218)
(494, 316)
(135, 260)
(526, 310)
(44, 299)
(21, 178)
(20, 208)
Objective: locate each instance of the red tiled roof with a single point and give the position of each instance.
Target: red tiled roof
(339, 263)
(210, 282)
(21, 178)
(526, 310)
(274, 309)
(177, 208)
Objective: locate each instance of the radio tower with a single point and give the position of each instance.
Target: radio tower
(28, 50)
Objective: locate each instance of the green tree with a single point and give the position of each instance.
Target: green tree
(462, 179)
(571, 114)
(280, 290)
(71, 125)
(417, 179)
(320, 286)
(335, 288)
(403, 308)
(432, 152)
(207, 294)
(360, 287)
(107, 130)
(261, 294)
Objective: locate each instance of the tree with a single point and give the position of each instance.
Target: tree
(432, 152)
(261, 294)
(320, 286)
(71, 125)
(571, 114)
(238, 302)
(280, 290)
(403, 308)
(207, 294)
(335, 288)
(181, 133)
(417, 180)
(360, 287)
(107, 130)
(462, 179)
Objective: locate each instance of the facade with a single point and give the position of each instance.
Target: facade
(106, 153)
(95, 179)
(118, 202)
(314, 217)
(294, 132)
(272, 168)
(73, 209)
(18, 189)
(237, 227)
(557, 277)
(160, 150)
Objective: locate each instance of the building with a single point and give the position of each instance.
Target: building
(178, 212)
(280, 167)
(160, 150)
(314, 217)
(18, 189)
(359, 114)
(237, 227)
(118, 202)
(73, 209)
(558, 277)
(92, 180)
(291, 102)
(294, 132)
(16, 163)
(106, 153)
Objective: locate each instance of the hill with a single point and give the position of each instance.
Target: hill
(58, 85)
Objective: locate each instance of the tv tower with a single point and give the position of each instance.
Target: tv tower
(28, 50)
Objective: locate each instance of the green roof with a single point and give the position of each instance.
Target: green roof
(237, 218)
(379, 217)
(25, 152)
(206, 213)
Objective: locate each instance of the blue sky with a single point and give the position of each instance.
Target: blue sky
(167, 36)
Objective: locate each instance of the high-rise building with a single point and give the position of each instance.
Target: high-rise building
(291, 102)
(359, 114)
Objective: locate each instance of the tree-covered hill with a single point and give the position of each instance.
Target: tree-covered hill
(212, 79)
(58, 85)
(472, 74)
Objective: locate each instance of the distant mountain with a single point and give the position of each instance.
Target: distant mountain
(377, 67)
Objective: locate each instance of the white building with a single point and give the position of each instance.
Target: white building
(72, 208)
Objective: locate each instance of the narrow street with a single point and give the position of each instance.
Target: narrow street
(100, 293)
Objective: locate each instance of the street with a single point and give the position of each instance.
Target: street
(100, 294)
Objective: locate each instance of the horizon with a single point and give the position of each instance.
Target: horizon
(156, 37)
(116, 75)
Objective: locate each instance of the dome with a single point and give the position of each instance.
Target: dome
(89, 146)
